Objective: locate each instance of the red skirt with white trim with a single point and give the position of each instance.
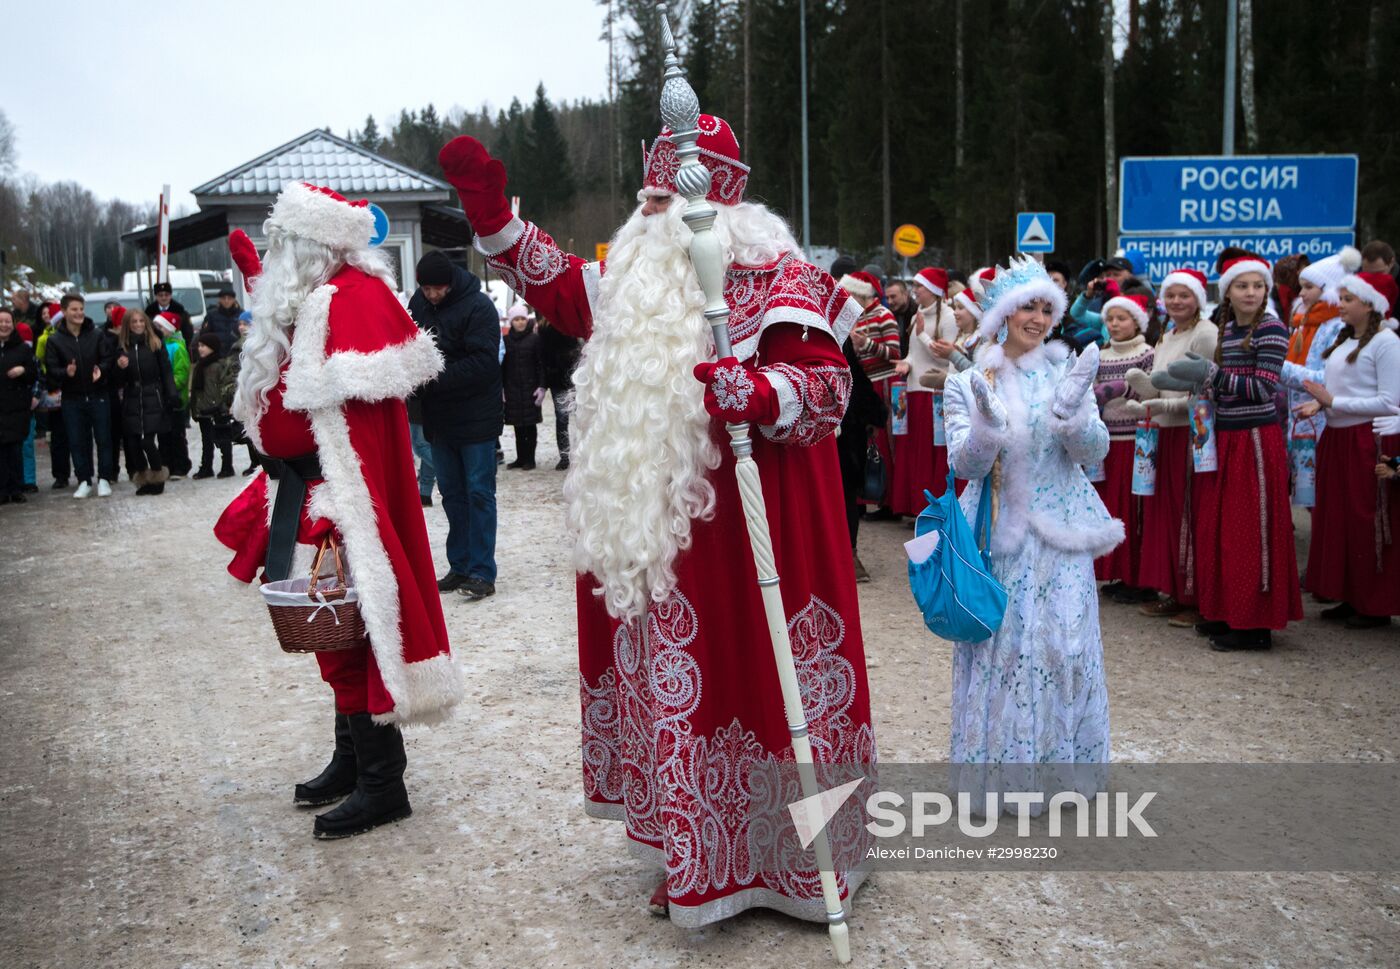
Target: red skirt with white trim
(1116, 490)
(1354, 556)
(1247, 572)
(916, 464)
(1166, 561)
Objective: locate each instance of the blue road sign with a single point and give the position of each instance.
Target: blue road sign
(1165, 252)
(1035, 231)
(1217, 193)
(381, 225)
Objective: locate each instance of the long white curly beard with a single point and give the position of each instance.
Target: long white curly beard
(638, 469)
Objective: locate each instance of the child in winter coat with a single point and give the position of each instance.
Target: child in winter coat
(522, 373)
(211, 396)
(174, 451)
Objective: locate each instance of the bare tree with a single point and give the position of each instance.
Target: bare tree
(1247, 101)
(885, 137)
(958, 131)
(1110, 151)
(7, 144)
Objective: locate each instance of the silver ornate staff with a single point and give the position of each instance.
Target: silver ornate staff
(680, 111)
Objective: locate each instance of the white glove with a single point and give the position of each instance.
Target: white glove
(988, 404)
(1070, 394)
(1141, 383)
(1135, 409)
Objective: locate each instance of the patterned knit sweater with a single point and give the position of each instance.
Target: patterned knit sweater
(879, 356)
(1246, 380)
(1114, 363)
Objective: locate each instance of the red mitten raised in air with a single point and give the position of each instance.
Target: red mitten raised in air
(245, 255)
(480, 181)
(736, 392)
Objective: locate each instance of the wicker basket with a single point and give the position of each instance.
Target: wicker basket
(319, 613)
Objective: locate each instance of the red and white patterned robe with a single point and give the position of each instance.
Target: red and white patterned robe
(673, 723)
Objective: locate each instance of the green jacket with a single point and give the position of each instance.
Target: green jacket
(216, 396)
(180, 366)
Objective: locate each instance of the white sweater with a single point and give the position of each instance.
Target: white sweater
(1368, 388)
(921, 358)
(1171, 408)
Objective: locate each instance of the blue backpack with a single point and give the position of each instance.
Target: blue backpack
(960, 598)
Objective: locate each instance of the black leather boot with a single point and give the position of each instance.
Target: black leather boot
(379, 796)
(338, 779)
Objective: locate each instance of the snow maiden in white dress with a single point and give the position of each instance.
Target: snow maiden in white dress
(1023, 421)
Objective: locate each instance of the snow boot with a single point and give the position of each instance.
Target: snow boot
(338, 779)
(379, 796)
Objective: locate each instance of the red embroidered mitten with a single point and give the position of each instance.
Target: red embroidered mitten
(480, 181)
(736, 392)
(245, 256)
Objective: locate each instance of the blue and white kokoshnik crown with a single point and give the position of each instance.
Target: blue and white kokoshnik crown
(1020, 282)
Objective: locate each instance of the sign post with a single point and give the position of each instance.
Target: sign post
(1181, 211)
(163, 243)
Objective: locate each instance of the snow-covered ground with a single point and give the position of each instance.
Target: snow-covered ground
(153, 732)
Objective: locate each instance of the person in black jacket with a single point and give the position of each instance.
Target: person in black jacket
(462, 417)
(164, 301)
(77, 361)
(560, 353)
(522, 373)
(148, 395)
(222, 321)
(864, 410)
(18, 371)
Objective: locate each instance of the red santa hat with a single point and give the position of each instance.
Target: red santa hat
(1377, 289)
(967, 301)
(1193, 280)
(934, 280)
(323, 215)
(118, 314)
(53, 312)
(1135, 305)
(719, 152)
(1236, 268)
(863, 286)
(167, 322)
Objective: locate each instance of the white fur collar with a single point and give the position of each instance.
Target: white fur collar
(992, 356)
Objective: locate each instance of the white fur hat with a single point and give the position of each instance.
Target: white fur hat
(1325, 274)
(323, 215)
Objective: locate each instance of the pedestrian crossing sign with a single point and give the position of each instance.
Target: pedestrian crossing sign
(1035, 232)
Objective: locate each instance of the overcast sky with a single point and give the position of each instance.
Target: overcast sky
(124, 95)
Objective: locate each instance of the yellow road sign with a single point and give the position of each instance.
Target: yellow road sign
(908, 241)
(600, 251)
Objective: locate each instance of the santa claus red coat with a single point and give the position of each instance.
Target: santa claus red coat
(355, 355)
(674, 722)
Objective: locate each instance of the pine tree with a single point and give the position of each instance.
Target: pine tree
(369, 137)
(551, 172)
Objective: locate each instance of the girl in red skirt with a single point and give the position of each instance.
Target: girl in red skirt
(875, 338)
(919, 464)
(1127, 317)
(1247, 571)
(1166, 561)
(1354, 557)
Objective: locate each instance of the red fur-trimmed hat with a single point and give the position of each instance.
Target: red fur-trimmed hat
(719, 152)
(323, 215)
(934, 280)
(1136, 305)
(862, 285)
(1377, 289)
(1193, 280)
(1236, 268)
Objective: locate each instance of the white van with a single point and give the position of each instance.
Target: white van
(188, 286)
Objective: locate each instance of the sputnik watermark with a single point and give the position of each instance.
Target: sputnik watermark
(1108, 817)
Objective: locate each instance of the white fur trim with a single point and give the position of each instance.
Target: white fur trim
(1365, 292)
(498, 242)
(1191, 283)
(1242, 267)
(1131, 308)
(425, 691)
(995, 316)
(789, 403)
(592, 278)
(858, 288)
(314, 380)
(303, 211)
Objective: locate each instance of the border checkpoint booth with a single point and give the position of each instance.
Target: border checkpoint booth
(418, 205)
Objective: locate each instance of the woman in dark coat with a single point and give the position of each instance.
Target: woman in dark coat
(522, 374)
(148, 397)
(18, 371)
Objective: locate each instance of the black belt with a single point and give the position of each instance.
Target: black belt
(291, 475)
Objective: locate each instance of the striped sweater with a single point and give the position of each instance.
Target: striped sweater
(1246, 381)
(882, 329)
